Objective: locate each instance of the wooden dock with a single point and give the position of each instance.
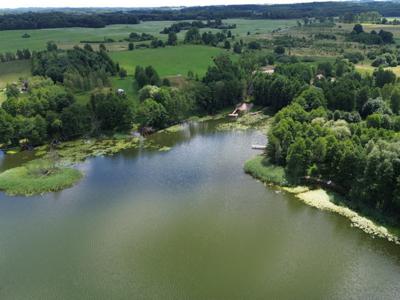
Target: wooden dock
(259, 147)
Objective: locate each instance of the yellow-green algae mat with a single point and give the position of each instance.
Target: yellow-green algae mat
(322, 200)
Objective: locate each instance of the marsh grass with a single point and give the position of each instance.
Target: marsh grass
(79, 150)
(258, 121)
(262, 169)
(38, 177)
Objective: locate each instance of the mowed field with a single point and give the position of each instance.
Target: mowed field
(243, 26)
(12, 71)
(368, 69)
(68, 37)
(169, 61)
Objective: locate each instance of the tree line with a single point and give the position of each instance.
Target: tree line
(40, 20)
(99, 18)
(18, 55)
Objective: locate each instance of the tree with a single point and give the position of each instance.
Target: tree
(325, 68)
(102, 47)
(227, 45)
(122, 73)
(111, 111)
(131, 46)
(386, 36)
(51, 46)
(254, 45)
(362, 97)
(193, 36)
(152, 76)
(311, 98)
(152, 114)
(358, 29)
(237, 48)
(87, 47)
(282, 91)
(172, 39)
(395, 101)
(6, 127)
(297, 159)
(146, 76)
(279, 50)
(12, 91)
(383, 77)
(75, 121)
(375, 106)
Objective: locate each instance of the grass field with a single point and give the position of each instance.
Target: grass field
(12, 71)
(258, 26)
(68, 37)
(368, 69)
(170, 60)
(127, 84)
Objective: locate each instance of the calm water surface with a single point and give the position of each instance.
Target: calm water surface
(184, 224)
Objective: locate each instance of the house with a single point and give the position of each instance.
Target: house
(319, 76)
(121, 92)
(241, 108)
(268, 70)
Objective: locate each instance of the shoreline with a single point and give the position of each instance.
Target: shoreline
(319, 199)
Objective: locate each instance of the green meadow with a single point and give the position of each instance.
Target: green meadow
(169, 61)
(259, 26)
(69, 37)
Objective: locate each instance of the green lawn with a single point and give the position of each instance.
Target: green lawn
(169, 61)
(127, 84)
(12, 71)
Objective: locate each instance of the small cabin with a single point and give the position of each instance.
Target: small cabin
(268, 70)
(241, 108)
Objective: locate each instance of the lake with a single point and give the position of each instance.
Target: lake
(184, 224)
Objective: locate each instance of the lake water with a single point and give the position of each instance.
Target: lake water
(184, 224)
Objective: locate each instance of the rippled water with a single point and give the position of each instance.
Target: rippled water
(184, 224)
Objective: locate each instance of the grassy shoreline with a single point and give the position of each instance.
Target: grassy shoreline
(260, 168)
(38, 177)
(53, 171)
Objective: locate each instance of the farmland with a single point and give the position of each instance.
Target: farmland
(169, 60)
(69, 37)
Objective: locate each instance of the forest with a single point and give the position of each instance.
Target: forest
(96, 18)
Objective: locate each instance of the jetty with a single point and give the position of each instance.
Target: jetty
(258, 147)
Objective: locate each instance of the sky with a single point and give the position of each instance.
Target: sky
(132, 3)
